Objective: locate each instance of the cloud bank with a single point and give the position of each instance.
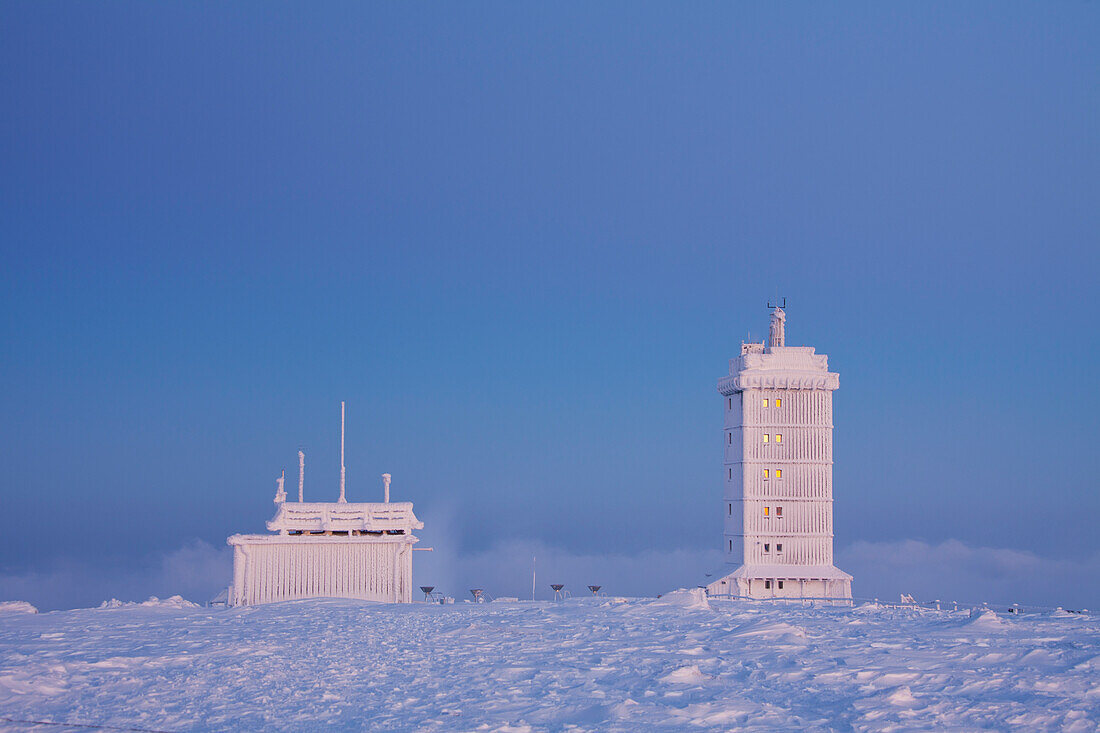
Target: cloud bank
(949, 571)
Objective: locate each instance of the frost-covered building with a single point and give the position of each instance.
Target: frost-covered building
(327, 549)
(778, 498)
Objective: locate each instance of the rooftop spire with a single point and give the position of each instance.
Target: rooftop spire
(776, 335)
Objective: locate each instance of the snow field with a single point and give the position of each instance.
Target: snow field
(677, 663)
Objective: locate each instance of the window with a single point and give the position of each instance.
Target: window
(731, 510)
(730, 436)
(767, 548)
(730, 476)
(780, 584)
(765, 473)
(779, 473)
(765, 511)
(731, 545)
(779, 512)
(779, 548)
(766, 437)
(767, 585)
(729, 403)
(765, 402)
(778, 401)
(778, 438)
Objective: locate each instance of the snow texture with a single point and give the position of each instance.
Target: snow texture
(678, 663)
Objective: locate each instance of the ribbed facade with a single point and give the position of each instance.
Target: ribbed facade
(784, 515)
(284, 568)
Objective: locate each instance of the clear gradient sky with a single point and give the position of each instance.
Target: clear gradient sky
(522, 241)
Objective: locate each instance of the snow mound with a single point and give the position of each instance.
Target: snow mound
(902, 697)
(770, 629)
(689, 598)
(17, 607)
(986, 620)
(153, 602)
(689, 675)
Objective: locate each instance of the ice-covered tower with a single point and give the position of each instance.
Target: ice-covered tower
(778, 473)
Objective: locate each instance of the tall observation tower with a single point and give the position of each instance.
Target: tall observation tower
(778, 473)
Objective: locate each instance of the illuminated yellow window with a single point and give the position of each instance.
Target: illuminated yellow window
(765, 473)
(778, 402)
(766, 511)
(778, 438)
(779, 473)
(765, 402)
(765, 437)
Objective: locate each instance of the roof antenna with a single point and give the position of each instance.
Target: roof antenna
(343, 471)
(280, 495)
(777, 331)
(301, 475)
(386, 486)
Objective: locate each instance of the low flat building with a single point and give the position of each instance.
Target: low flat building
(327, 549)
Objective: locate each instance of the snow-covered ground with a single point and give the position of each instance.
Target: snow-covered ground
(587, 664)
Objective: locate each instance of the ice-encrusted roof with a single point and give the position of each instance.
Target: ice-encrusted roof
(785, 571)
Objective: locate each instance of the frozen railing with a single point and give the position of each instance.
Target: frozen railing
(935, 605)
(326, 517)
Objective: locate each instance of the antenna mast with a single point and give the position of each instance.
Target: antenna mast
(343, 472)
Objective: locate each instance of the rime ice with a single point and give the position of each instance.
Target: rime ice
(327, 549)
(778, 503)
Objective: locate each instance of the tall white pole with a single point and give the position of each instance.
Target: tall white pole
(386, 487)
(532, 578)
(301, 475)
(343, 472)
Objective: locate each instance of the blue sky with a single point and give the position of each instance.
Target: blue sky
(522, 242)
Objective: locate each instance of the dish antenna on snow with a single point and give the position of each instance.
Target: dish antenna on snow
(476, 593)
(595, 589)
(427, 591)
(559, 594)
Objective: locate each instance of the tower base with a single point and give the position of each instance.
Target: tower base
(760, 582)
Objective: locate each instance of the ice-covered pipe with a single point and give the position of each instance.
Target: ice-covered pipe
(386, 487)
(301, 476)
(280, 495)
(343, 500)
